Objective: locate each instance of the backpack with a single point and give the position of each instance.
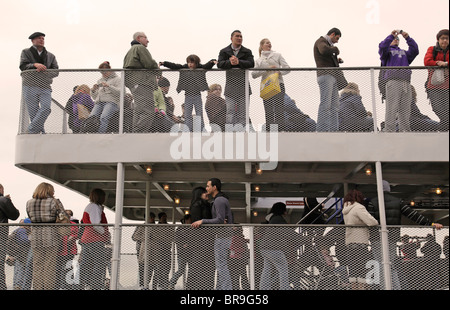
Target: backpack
(90, 124)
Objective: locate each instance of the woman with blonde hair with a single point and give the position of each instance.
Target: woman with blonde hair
(274, 107)
(43, 208)
(216, 107)
(79, 107)
(353, 116)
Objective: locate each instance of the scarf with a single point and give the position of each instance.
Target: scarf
(42, 59)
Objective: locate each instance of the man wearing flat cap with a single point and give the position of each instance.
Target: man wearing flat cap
(37, 80)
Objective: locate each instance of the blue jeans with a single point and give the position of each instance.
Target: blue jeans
(105, 110)
(328, 116)
(190, 103)
(38, 101)
(23, 272)
(278, 260)
(221, 248)
(236, 110)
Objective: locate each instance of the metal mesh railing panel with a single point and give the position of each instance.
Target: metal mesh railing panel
(242, 257)
(311, 100)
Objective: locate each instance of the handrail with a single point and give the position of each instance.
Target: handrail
(250, 69)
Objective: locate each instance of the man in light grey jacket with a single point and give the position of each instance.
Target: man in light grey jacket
(36, 85)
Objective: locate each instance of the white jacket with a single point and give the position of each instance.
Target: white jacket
(356, 215)
(269, 59)
(111, 93)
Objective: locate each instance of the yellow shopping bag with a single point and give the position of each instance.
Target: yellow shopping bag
(270, 86)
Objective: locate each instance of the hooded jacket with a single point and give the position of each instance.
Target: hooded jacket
(394, 56)
(355, 214)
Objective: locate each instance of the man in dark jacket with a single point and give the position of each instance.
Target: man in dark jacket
(36, 85)
(235, 56)
(7, 211)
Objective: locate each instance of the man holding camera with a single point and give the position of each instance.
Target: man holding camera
(398, 81)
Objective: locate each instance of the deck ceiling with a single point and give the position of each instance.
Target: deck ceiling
(409, 180)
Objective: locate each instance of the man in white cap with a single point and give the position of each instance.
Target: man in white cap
(37, 80)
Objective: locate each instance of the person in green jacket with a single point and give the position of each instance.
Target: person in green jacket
(141, 83)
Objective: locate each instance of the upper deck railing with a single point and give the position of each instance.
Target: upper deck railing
(131, 101)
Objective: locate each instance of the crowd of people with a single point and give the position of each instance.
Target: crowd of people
(148, 109)
(43, 254)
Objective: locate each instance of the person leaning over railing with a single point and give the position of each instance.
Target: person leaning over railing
(438, 55)
(37, 92)
(236, 56)
(43, 208)
(193, 82)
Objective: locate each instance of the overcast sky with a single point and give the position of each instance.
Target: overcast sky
(84, 33)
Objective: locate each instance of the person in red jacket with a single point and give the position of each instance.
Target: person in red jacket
(438, 55)
(94, 241)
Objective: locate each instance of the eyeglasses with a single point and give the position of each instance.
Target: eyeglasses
(444, 38)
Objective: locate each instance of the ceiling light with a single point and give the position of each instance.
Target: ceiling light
(368, 170)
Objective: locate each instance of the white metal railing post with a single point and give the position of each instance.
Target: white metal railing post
(115, 261)
(121, 102)
(374, 105)
(384, 232)
(247, 100)
(251, 264)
